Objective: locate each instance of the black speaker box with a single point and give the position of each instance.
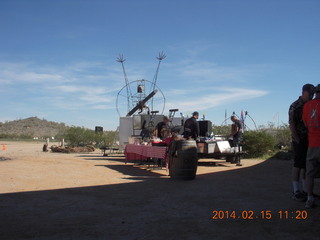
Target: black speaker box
(98, 129)
(205, 128)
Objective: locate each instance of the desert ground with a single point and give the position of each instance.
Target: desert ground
(45, 195)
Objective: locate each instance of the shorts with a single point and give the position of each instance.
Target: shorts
(300, 154)
(313, 161)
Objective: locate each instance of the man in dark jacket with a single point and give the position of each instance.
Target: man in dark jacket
(236, 131)
(162, 128)
(299, 134)
(191, 127)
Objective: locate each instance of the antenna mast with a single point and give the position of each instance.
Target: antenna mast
(121, 59)
(154, 83)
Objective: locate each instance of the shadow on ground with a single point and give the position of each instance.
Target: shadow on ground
(157, 207)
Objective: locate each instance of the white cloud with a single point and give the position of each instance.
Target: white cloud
(94, 99)
(200, 101)
(188, 85)
(207, 72)
(104, 107)
(23, 74)
(74, 87)
(87, 95)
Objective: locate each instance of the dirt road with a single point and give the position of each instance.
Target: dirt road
(87, 196)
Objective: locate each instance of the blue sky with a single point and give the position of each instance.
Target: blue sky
(58, 58)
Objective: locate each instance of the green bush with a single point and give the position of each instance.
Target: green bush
(79, 137)
(16, 136)
(283, 136)
(223, 130)
(258, 143)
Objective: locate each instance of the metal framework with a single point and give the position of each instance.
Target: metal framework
(137, 99)
(160, 58)
(121, 60)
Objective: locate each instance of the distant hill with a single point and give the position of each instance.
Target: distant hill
(31, 127)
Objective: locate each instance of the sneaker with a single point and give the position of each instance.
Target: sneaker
(314, 194)
(310, 204)
(299, 196)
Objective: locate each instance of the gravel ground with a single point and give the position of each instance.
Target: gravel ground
(46, 195)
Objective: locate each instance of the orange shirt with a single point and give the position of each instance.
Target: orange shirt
(311, 117)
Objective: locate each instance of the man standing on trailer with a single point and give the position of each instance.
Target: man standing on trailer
(162, 129)
(191, 127)
(236, 131)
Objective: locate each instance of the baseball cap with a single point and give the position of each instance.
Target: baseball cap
(308, 87)
(195, 114)
(165, 118)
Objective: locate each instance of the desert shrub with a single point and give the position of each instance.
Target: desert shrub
(258, 143)
(223, 130)
(283, 135)
(106, 139)
(15, 136)
(79, 137)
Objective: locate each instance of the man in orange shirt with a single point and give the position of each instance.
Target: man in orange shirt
(311, 118)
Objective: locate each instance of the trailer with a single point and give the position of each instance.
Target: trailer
(220, 149)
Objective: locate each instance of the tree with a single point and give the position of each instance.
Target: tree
(283, 136)
(223, 130)
(79, 136)
(258, 143)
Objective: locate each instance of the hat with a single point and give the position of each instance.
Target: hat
(195, 114)
(165, 118)
(308, 87)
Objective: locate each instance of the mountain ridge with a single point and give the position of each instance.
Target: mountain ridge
(32, 127)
